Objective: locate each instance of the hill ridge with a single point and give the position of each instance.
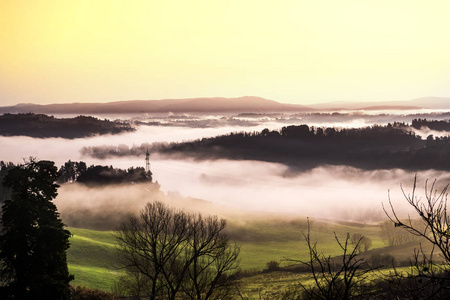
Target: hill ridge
(203, 104)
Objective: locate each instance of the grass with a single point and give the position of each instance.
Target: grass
(271, 285)
(280, 241)
(92, 257)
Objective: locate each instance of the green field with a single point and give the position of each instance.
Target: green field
(92, 257)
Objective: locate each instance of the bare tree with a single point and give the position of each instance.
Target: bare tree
(172, 252)
(212, 260)
(342, 277)
(150, 243)
(430, 277)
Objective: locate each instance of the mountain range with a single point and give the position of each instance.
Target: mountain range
(219, 104)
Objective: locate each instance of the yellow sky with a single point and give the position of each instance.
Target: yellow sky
(286, 50)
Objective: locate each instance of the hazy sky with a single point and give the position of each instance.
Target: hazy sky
(286, 50)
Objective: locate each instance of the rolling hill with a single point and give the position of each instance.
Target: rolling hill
(217, 104)
(250, 104)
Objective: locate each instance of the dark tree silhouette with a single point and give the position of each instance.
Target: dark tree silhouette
(71, 171)
(101, 175)
(170, 254)
(430, 275)
(33, 241)
(343, 277)
(40, 125)
(4, 168)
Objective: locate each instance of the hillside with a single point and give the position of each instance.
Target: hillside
(92, 256)
(217, 104)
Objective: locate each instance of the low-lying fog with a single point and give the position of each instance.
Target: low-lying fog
(334, 192)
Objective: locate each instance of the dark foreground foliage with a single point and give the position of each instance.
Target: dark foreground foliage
(33, 240)
(171, 254)
(82, 293)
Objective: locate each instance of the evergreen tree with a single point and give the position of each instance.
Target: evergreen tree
(33, 241)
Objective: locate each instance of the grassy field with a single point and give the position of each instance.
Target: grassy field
(262, 242)
(92, 257)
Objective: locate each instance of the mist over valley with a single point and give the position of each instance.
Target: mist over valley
(324, 190)
(269, 174)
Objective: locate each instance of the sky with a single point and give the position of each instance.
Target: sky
(291, 51)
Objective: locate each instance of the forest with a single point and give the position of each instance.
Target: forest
(44, 126)
(302, 147)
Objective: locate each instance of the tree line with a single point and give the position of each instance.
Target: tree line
(441, 125)
(73, 171)
(78, 171)
(44, 126)
(304, 147)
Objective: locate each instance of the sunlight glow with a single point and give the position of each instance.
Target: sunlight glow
(289, 51)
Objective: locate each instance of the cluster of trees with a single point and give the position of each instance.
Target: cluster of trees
(396, 236)
(74, 171)
(70, 171)
(362, 243)
(100, 175)
(442, 125)
(43, 126)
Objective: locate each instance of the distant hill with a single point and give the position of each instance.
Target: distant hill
(390, 107)
(432, 102)
(241, 104)
(247, 104)
(426, 102)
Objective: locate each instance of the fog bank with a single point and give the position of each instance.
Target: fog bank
(236, 189)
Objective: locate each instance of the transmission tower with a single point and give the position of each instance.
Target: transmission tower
(147, 161)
